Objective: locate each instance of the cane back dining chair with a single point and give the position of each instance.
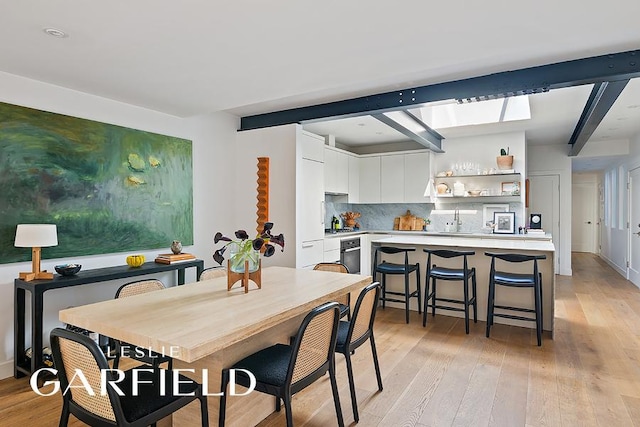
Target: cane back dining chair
(212, 273)
(143, 355)
(283, 370)
(337, 267)
(357, 331)
(140, 405)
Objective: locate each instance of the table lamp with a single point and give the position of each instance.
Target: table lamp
(36, 236)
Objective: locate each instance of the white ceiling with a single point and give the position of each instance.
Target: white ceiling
(194, 57)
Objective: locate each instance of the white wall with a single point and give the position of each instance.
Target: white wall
(279, 144)
(553, 160)
(614, 243)
(213, 137)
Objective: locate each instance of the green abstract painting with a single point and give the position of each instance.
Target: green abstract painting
(107, 188)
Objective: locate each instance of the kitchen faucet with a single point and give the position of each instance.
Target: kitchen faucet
(456, 220)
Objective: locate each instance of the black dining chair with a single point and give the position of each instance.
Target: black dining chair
(531, 280)
(464, 274)
(139, 287)
(357, 331)
(383, 267)
(283, 370)
(137, 407)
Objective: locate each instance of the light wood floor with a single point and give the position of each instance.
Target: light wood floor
(588, 375)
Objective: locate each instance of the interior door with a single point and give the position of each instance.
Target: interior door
(634, 226)
(544, 198)
(583, 221)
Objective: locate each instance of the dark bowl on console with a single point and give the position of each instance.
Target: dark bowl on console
(68, 269)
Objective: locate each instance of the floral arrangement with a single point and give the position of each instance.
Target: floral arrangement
(248, 249)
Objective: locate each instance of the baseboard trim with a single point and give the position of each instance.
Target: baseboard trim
(6, 369)
(613, 265)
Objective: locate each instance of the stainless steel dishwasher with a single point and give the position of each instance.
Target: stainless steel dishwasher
(350, 254)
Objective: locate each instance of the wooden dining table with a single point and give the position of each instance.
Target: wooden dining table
(205, 327)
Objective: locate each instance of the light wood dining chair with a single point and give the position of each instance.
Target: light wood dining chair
(212, 273)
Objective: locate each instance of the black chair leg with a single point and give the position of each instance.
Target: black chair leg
(490, 306)
(465, 293)
(223, 397)
(419, 291)
(336, 395)
(433, 296)
(426, 301)
(352, 387)
(406, 296)
(384, 289)
(375, 361)
(278, 407)
(64, 416)
(287, 409)
(204, 411)
(475, 297)
(536, 291)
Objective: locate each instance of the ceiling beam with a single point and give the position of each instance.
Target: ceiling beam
(602, 97)
(611, 67)
(428, 137)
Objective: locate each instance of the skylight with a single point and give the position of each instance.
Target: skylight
(442, 116)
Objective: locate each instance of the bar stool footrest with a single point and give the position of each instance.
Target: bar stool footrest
(523, 310)
(412, 294)
(445, 307)
(511, 316)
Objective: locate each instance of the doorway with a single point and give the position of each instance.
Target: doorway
(634, 227)
(544, 198)
(584, 220)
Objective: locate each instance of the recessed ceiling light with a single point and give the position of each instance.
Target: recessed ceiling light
(633, 106)
(360, 124)
(605, 136)
(622, 118)
(612, 128)
(54, 32)
(378, 133)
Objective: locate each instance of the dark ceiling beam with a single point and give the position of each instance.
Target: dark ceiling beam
(602, 97)
(611, 67)
(428, 137)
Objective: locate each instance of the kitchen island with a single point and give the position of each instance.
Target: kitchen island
(204, 326)
(482, 263)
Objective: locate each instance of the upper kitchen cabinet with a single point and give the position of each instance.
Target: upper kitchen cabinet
(369, 179)
(354, 179)
(336, 168)
(392, 175)
(417, 171)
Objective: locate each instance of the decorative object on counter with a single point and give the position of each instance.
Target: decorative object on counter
(427, 224)
(488, 211)
(173, 258)
(504, 222)
(504, 160)
(36, 236)
(350, 219)
(535, 221)
(135, 260)
(68, 269)
(176, 247)
(408, 222)
(244, 259)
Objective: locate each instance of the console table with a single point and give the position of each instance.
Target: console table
(37, 288)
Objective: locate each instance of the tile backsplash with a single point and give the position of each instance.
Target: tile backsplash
(381, 216)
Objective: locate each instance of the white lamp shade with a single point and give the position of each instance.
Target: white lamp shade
(36, 235)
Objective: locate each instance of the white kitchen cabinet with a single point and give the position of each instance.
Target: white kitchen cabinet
(336, 166)
(365, 254)
(417, 171)
(311, 208)
(332, 250)
(370, 179)
(353, 163)
(310, 253)
(392, 178)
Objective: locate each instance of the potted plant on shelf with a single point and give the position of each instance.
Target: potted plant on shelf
(504, 160)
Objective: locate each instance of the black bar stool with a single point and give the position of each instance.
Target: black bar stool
(405, 269)
(517, 280)
(462, 274)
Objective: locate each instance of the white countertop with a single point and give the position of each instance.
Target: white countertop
(487, 241)
(519, 237)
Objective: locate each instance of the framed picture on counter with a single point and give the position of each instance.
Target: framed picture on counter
(489, 210)
(505, 222)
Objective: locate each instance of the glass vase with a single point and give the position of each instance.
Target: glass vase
(238, 254)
